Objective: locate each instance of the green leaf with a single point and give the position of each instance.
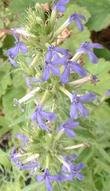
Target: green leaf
(102, 165)
(34, 186)
(4, 159)
(100, 11)
(101, 70)
(21, 6)
(5, 78)
(99, 21)
(4, 126)
(103, 53)
(8, 102)
(103, 153)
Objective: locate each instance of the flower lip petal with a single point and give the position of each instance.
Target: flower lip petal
(46, 73)
(107, 93)
(12, 52)
(39, 178)
(78, 19)
(82, 109)
(55, 70)
(70, 133)
(65, 75)
(86, 48)
(22, 137)
(93, 58)
(96, 45)
(48, 115)
(22, 47)
(79, 25)
(12, 61)
(73, 111)
(88, 97)
(60, 6)
(78, 69)
(48, 184)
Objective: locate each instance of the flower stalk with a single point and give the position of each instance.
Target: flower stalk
(34, 62)
(81, 81)
(27, 96)
(82, 145)
(65, 91)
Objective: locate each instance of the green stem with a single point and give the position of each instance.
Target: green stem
(65, 91)
(60, 158)
(27, 96)
(59, 135)
(60, 29)
(44, 97)
(76, 57)
(53, 17)
(32, 157)
(81, 81)
(47, 161)
(33, 63)
(83, 145)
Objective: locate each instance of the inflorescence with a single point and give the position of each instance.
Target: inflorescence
(57, 70)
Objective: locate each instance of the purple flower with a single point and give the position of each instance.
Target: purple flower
(12, 61)
(64, 176)
(56, 56)
(86, 48)
(30, 81)
(77, 108)
(59, 50)
(23, 138)
(73, 170)
(70, 158)
(30, 166)
(107, 93)
(48, 178)
(14, 51)
(94, 79)
(53, 58)
(60, 5)
(49, 67)
(19, 31)
(41, 116)
(68, 68)
(68, 126)
(15, 158)
(78, 19)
